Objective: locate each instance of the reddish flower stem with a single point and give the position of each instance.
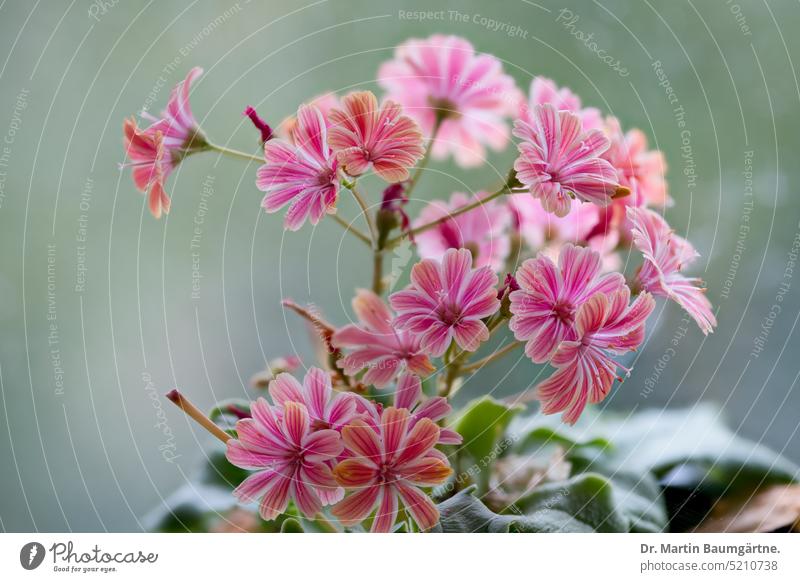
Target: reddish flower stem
(191, 410)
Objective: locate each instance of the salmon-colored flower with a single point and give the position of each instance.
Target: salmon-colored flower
(151, 165)
(447, 300)
(545, 307)
(290, 459)
(558, 160)
(378, 345)
(389, 464)
(364, 134)
(604, 325)
(639, 169)
(302, 174)
(482, 231)
(442, 79)
(665, 255)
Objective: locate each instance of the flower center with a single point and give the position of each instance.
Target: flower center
(325, 177)
(386, 473)
(320, 424)
(445, 108)
(450, 314)
(564, 311)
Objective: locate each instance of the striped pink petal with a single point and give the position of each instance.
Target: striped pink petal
(419, 506)
(386, 514)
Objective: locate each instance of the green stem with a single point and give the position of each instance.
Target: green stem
(373, 233)
(491, 357)
(457, 212)
(453, 372)
(352, 229)
(324, 524)
(377, 271)
(235, 153)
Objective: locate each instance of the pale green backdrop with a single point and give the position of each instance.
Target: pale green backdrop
(97, 313)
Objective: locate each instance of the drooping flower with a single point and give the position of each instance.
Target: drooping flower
(302, 174)
(604, 325)
(326, 408)
(665, 255)
(156, 150)
(390, 463)
(377, 344)
(544, 90)
(408, 395)
(364, 134)
(559, 160)
(545, 307)
(151, 165)
(442, 78)
(482, 231)
(177, 121)
(290, 460)
(447, 300)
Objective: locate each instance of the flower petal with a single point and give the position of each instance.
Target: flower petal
(418, 505)
(354, 508)
(387, 511)
(354, 473)
(361, 439)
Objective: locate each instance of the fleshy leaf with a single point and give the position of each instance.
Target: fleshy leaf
(482, 424)
(582, 504)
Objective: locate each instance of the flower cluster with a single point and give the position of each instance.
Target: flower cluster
(311, 444)
(580, 193)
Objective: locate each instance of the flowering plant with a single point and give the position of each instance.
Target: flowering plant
(367, 437)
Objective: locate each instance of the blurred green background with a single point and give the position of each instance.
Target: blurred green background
(97, 312)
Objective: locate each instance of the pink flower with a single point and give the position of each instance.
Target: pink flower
(303, 174)
(447, 300)
(665, 255)
(482, 231)
(178, 123)
(585, 370)
(638, 169)
(545, 306)
(442, 77)
(155, 151)
(361, 134)
(408, 395)
(290, 460)
(544, 90)
(378, 345)
(390, 463)
(558, 160)
(326, 408)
